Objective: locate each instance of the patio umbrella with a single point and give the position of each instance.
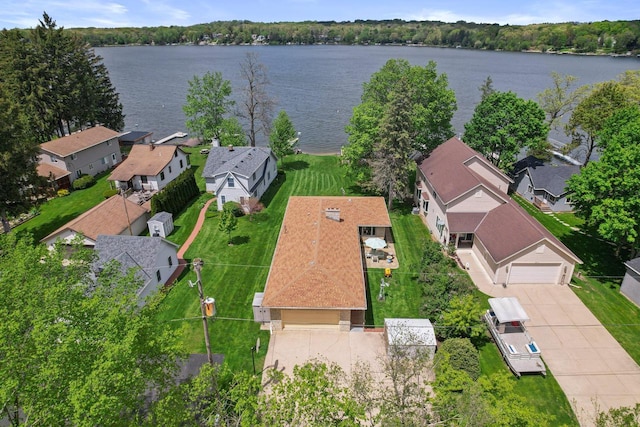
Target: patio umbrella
(375, 243)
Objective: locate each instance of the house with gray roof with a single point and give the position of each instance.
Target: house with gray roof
(462, 198)
(153, 259)
(544, 183)
(238, 173)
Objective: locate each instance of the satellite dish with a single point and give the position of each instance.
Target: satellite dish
(258, 345)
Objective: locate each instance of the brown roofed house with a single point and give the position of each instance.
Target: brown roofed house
(114, 216)
(90, 152)
(317, 272)
(463, 199)
(150, 167)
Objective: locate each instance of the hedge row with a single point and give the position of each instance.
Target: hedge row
(176, 195)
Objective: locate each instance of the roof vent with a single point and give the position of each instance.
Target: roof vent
(332, 214)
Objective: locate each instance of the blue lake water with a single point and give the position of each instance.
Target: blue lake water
(318, 86)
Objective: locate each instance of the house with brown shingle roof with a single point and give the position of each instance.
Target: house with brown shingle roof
(317, 274)
(150, 167)
(114, 216)
(90, 152)
(463, 199)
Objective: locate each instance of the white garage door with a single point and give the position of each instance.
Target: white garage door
(534, 273)
(310, 319)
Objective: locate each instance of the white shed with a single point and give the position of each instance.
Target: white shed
(160, 225)
(411, 336)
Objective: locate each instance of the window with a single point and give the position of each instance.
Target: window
(551, 198)
(529, 189)
(425, 206)
(567, 201)
(113, 156)
(170, 261)
(230, 182)
(434, 194)
(162, 176)
(78, 173)
(104, 160)
(439, 225)
(181, 164)
(158, 275)
(175, 153)
(144, 179)
(74, 156)
(223, 199)
(169, 169)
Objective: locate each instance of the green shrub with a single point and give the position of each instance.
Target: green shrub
(109, 193)
(83, 182)
(176, 195)
(462, 355)
(234, 207)
(63, 192)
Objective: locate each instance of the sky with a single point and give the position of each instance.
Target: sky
(151, 13)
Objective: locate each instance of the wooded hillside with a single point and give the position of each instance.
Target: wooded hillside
(617, 37)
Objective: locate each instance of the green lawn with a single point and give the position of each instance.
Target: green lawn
(58, 211)
(599, 287)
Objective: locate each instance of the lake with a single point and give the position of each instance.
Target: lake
(318, 86)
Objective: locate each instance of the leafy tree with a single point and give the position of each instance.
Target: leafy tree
(314, 395)
(502, 125)
(58, 79)
(461, 354)
(256, 106)
(18, 160)
(282, 139)
(560, 100)
(76, 351)
(231, 133)
(228, 223)
(606, 192)
(486, 88)
(391, 162)
(430, 106)
(462, 318)
(590, 115)
(207, 104)
(628, 416)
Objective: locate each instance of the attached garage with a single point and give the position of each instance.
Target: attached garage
(533, 273)
(310, 319)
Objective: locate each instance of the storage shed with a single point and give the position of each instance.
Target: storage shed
(410, 336)
(161, 224)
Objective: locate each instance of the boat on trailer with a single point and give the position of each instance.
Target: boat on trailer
(506, 320)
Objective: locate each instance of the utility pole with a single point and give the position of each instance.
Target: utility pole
(197, 266)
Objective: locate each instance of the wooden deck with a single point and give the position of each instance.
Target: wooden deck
(518, 348)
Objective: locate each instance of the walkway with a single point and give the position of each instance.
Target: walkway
(588, 363)
(185, 246)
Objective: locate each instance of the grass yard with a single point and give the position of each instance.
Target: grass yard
(58, 211)
(602, 274)
(232, 274)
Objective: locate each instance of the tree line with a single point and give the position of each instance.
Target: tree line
(603, 37)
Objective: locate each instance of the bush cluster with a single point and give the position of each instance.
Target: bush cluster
(461, 354)
(109, 193)
(63, 192)
(234, 207)
(176, 195)
(83, 182)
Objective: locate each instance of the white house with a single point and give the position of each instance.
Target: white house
(238, 173)
(154, 259)
(90, 152)
(150, 167)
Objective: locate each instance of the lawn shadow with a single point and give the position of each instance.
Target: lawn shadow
(41, 231)
(295, 165)
(598, 256)
(369, 319)
(267, 198)
(240, 240)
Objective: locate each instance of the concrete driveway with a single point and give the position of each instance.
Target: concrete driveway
(288, 348)
(585, 359)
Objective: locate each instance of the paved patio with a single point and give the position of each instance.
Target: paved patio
(585, 359)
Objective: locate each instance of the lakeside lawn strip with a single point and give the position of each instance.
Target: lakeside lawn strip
(599, 287)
